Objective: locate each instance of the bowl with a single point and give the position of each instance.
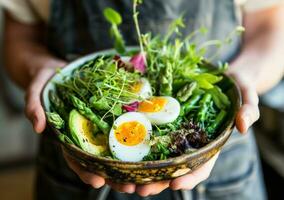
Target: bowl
(145, 171)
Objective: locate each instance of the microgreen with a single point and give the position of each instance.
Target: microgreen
(115, 20)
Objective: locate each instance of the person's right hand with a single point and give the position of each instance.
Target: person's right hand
(35, 113)
(33, 108)
(95, 180)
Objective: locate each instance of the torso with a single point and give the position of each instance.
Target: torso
(79, 27)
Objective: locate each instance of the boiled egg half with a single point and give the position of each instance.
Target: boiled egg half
(142, 89)
(160, 110)
(129, 136)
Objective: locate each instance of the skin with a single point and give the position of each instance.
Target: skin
(258, 68)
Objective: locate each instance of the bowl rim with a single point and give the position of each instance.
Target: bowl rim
(221, 138)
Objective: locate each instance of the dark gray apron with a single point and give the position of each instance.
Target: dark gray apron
(77, 27)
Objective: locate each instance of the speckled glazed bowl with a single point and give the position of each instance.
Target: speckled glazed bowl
(146, 171)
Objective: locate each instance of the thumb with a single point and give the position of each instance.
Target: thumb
(33, 109)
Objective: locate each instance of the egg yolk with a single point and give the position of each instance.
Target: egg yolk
(136, 87)
(130, 133)
(155, 104)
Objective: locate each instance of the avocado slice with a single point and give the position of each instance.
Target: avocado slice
(83, 132)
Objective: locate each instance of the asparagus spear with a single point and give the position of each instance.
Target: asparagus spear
(204, 106)
(64, 94)
(217, 122)
(65, 138)
(190, 104)
(186, 91)
(88, 113)
(55, 120)
(58, 105)
(166, 80)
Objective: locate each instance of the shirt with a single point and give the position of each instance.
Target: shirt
(35, 11)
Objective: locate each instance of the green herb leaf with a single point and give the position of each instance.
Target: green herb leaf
(220, 97)
(112, 16)
(101, 104)
(117, 109)
(115, 19)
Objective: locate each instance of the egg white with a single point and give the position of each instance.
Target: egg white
(130, 153)
(145, 91)
(168, 114)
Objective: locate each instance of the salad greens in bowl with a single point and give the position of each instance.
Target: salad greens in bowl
(142, 114)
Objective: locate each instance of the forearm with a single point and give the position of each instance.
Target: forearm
(261, 60)
(25, 52)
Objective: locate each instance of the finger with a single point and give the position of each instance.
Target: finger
(249, 112)
(34, 110)
(35, 114)
(152, 189)
(189, 181)
(246, 116)
(125, 188)
(87, 177)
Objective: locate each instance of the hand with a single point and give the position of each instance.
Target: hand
(186, 182)
(94, 180)
(249, 111)
(33, 109)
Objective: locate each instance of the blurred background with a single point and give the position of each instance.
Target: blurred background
(18, 142)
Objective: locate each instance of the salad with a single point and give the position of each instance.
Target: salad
(159, 101)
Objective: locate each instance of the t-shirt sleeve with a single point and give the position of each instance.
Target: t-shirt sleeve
(251, 5)
(21, 10)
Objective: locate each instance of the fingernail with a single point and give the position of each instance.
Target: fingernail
(131, 191)
(97, 186)
(175, 188)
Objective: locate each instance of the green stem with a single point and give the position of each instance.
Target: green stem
(122, 88)
(135, 18)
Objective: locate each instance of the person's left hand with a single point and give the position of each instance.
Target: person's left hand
(249, 111)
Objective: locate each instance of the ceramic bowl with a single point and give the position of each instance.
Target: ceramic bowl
(146, 171)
